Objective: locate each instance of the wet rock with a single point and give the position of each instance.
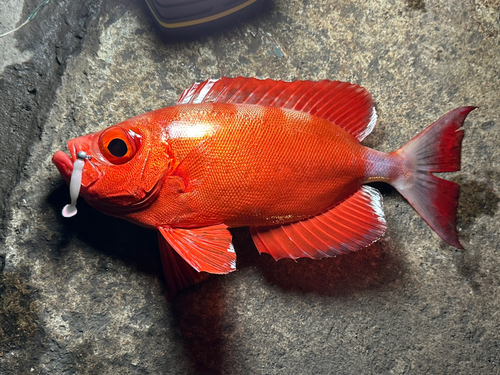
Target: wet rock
(86, 295)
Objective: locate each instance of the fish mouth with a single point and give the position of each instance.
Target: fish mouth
(64, 162)
(64, 165)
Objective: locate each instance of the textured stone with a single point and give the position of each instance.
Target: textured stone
(86, 295)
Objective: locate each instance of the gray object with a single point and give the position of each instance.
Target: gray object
(195, 16)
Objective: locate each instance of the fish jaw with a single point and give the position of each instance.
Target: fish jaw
(64, 162)
(64, 165)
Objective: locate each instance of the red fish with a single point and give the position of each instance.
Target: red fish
(283, 158)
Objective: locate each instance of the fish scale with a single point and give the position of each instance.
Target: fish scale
(315, 170)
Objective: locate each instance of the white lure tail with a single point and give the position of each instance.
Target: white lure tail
(74, 186)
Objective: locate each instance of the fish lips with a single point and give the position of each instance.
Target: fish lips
(64, 165)
(64, 162)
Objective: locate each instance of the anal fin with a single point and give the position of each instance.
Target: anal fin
(206, 249)
(352, 225)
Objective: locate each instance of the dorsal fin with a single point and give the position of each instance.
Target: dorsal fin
(346, 104)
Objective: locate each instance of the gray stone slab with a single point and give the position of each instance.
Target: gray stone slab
(86, 295)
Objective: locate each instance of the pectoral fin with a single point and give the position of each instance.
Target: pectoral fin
(207, 249)
(353, 224)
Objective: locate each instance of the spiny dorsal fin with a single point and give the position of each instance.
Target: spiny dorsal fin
(347, 105)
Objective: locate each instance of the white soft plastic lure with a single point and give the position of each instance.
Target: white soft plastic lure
(74, 185)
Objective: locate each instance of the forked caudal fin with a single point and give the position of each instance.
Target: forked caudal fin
(436, 149)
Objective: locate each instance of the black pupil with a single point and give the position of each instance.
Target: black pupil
(117, 148)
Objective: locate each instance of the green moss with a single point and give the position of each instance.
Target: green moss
(17, 311)
(416, 4)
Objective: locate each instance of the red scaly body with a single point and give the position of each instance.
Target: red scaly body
(251, 165)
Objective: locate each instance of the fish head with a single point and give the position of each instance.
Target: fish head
(124, 165)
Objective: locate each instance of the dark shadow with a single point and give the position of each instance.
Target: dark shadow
(199, 310)
(199, 314)
(416, 5)
(369, 268)
(384, 189)
(477, 198)
(238, 20)
(108, 235)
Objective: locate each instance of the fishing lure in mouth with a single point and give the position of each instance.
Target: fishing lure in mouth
(74, 185)
(283, 158)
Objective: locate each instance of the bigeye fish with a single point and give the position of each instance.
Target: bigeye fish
(283, 158)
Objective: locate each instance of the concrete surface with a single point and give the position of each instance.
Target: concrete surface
(85, 296)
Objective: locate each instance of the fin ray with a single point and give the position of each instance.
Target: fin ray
(353, 224)
(207, 249)
(436, 149)
(178, 273)
(345, 104)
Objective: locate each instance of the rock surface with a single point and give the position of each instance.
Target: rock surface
(86, 295)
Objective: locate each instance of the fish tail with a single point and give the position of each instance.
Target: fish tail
(436, 149)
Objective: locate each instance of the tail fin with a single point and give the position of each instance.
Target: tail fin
(436, 149)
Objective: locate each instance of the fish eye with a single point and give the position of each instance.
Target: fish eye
(119, 145)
